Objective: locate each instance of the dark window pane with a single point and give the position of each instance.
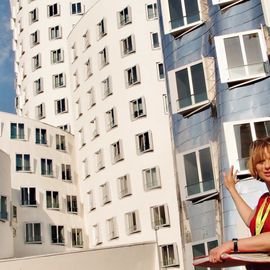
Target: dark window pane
(198, 81)
(206, 169)
(183, 88)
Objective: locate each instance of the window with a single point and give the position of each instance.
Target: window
(60, 142)
(59, 80)
(85, 168)
(124, 16)
(132, 75)
(53, 10)
(124, 186)
(88, 68)
(160, 69)
(57, 56)
(81, 137)
(74, 52)
(41, 136)
(77, 237)
(34, 38)
(99, 160)
(33, 233)
(61, 106)
(94, 128)
(203, 249)
(55, 32)
(46, 167)
(3, 208)
(52, 199)
(14, 214)
(76, 8)
(17, 131)
(239, 135)
(23, 163)
(117, 151)
(105, 193)
(33, 15)
(128, 45)
(132, 222)
(91, 200)
(106, 86)
(112, 228)
(144, 142)
(40, 111)
(169, 255)
(91, 98)
(76, 80)
(78, 108)
(104, 57)
(241, 56)
(160, 216)
(57, 234)
(151, 178)
(96, 235)
(72, 206)
(101, 28)
(199, 171)
(36, 61)
(155, 40)
(65, 127)
(66, 172)
(151, 10)
(38, 86)
(110, 118)
(137, 108)
(28, 196)
(86, 38)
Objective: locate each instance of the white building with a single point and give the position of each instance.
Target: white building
(103, 77)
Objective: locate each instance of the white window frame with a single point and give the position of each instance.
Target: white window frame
(59, 233)
(81, 138)
(137, 108)
(20, 131)
(105, 193)
(160, 71)
(41, 137)
(76, 8)
(132, 76)
(117, 153)
(101, 28)
(66, 172)
(27, 195)
(86, 38)
(34, 38)
(54, 200)
(46, 167)
(151, 178)
(154, 36)
(128, 45)
(106, 86)
(97, 235)
(91, 200)
(124, 16)
(222, 59)
(59, 80)
(124, 186)
(160, 216)
(91, 97)
(103, 57)
(77, 237)
(53, 10)
(154, 14)
(38, 86)
(169, 255)
(57, 56)
(33, 15)
(78, 108)
(111, 119)
(55, 32)
(72, 204)
(32, 232)
(112, 231)
(61, 106)
(88, 69)
(94, 130)
(141, 140)
(36, 62)
(24, 168)
(132, 222)
(60, 142)
(99, 160)
(85, 168)
(40, 111)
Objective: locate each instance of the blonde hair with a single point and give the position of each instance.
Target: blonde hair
(257, 154)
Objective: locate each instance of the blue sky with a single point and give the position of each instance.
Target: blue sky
(7, 91)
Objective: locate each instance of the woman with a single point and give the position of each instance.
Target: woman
(258, 219)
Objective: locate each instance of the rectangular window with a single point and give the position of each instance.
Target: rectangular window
(77, 237)
(33, 15)
(106, 86)
(74, 52)
(57, 56)
(34, 38)
(46, 167)
(60, 142)
(52, 199)
(88, 68)
(23, 163)
(85, 168)
(160, 216)
(132, 222)
(94, 128)
(38, 86)
(91, 200)
(242, 56)
(112, 228)
(99, 160)
(78, 109)
(124, 186)
(128, 45)
(169, 255)
(151, 11)
(91, 97)
(59, 80)
(86, 38)
(36, 61)
(57, 234)
(14, 214)
(3, 208)
(160, 70)
(124, 16)
(17, 131)
(101, 28)
(76, 8)
(33, 233)
(28, 196)
(53, 10)
(55, 32)
(155, 40)
(111, 120)
(103, 57)
(81, 137)
(40, 111)
(137, 108)
(144, 142)
(72, 205)
(61, 106)
(41, 136)
(117, 151)
(66, 172)
(105, 193)
(199, 171)
(96, 235)
(132, 76)
(151, 178)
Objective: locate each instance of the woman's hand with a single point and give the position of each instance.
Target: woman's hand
(230, 179)
(215, 253)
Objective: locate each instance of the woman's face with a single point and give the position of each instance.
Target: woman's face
(263, 166)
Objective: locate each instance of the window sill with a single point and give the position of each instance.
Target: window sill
(180, 31)
(192, 109)
(204, 196)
